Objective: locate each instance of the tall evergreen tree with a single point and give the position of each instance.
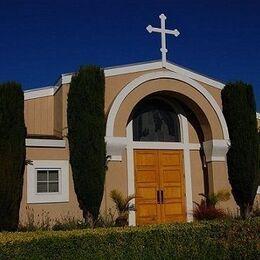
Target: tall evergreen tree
(12, 153)
(86, 132)
(243, 168)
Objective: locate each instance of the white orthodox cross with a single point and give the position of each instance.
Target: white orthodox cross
(163, 32)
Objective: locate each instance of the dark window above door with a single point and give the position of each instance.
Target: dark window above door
(155, 120)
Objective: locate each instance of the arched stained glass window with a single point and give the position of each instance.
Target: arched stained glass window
(155, 120)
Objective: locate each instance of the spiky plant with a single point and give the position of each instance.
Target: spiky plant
(212, 199)
(123, 206)
(206, 209)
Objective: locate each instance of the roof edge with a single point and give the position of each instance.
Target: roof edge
(258, 115)
(125, 69)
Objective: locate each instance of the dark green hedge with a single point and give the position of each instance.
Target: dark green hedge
(86, 135)
(12, 153)
(211, 240)
(239, 109)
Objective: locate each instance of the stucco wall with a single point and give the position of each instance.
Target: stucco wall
(48, 116)
(39, 116)
(51, 211)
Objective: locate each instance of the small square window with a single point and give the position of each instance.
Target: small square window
(47, 180)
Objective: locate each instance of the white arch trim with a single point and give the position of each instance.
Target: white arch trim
(161, 75)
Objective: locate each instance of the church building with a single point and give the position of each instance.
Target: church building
(166, 137)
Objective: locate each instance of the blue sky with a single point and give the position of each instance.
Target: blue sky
(41, 39)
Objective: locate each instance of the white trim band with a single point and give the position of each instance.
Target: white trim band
(38, 93)
(30, 142)
(132, 68)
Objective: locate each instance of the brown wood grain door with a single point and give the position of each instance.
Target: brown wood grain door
(159, 186)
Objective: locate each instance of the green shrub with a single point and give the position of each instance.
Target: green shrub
(86, 135)
(12, 153)
(204, 212)
(206, 209)
(204, 240)
(239, 109)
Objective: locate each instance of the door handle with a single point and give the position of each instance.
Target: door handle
(162, 199)
(158, 197)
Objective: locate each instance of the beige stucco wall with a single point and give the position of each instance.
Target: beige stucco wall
(218, 180)
(48, 116)
(115, 84)
(196, 176)
(116, 178)
(39, 116)
(58, 112)
(215, 92)
(52, 211)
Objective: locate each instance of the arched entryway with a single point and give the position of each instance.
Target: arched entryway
(121, 144)
(156, 129)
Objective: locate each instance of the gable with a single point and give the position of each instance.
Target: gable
(116, 79)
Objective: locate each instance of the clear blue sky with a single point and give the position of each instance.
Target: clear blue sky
(41, 39)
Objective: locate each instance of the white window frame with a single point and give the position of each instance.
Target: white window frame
(47, 181)
(48, 197)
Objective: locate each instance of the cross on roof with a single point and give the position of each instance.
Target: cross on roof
(163, 32)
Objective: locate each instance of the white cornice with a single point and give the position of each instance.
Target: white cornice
(38, 93)
(258, 116)
(194, 75)
(66, 78)
(125, 69)
(120, 70)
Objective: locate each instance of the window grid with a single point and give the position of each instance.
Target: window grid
(48, 181)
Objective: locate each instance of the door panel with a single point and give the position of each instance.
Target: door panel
(171, 175)
(159, 173)
(146, 186)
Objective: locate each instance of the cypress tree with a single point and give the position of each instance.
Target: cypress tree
(12, 153)
(239, 110)
(86, 132)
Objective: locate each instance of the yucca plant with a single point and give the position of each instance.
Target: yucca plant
(123, 206)
(206, 209)
(212, 199)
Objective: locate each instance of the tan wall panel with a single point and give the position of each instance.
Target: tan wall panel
(65, 92)
(215, 92)
(53, 211)
(116, 178)
(219, 181)
(196, 176)
(193, 136)
(58, 106)
(36, 153)
(29, 116)
(115, 84)
(39, 115)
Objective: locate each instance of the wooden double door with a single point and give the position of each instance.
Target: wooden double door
(159, 186)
